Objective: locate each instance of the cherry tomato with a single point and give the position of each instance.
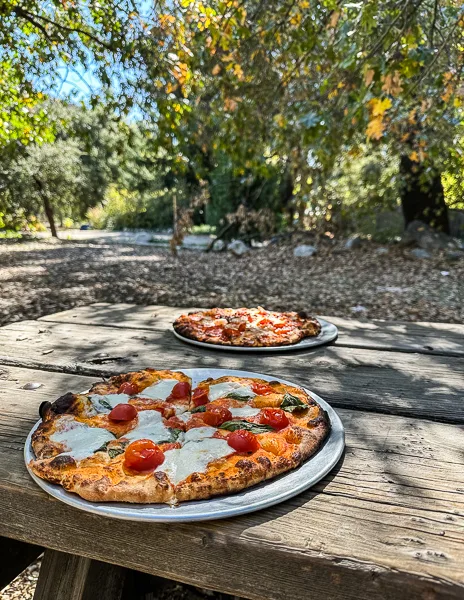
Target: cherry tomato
(242, 326)
(261, 389)
(216, 415)
(143, 455)
(200, 396)
(275, 417)
(243, 441)
(175, 423)
(180, 390)
(231, 331)
(123, 412)
(128, 388)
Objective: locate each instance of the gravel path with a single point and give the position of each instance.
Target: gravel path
(42, 277)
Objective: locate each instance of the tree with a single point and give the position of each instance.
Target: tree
(46, 179)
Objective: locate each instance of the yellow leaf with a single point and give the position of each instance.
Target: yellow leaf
(412, 116)
(216, 70)
(279, 119)
(375, 128)
(238, 71)
(332, 94)
(414, 156)
(369, 76)
(378, 106)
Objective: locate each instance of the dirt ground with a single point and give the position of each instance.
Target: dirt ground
(42, 277)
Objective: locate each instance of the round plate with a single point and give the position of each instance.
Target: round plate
(328, 333)
(260, 496)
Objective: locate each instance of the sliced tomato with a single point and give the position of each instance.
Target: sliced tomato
(128, 388)
(171, 446)
(179, 391)
(275, 417)
(261, 389)
(216, 415)
(200, 396)
(175, 423)
(264, 322)
(123, 412)
(143, 456)
(242, 326)
(243, 441)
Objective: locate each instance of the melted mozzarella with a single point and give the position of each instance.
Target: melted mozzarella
(180, 410)
(221, 390)
(111, 399)
(193, 457)
(184, 416)
(80, 440)
(159, 390)
(245, 411)
(199, 433)
(150, 426)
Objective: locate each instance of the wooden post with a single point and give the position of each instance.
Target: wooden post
(70, 577)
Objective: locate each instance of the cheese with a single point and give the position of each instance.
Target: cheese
(80, 440)
(159, 390)
(184, 416)
(193, 457)
(98, 401)
(199, 433)
(179, 410)
(245, 411)
(221, 390)
(150, 426)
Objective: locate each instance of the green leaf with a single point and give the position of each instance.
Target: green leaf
(291, 403)
(199, 409)
(173, 436)
(253, 427)
(113, 452)
(238, 396)
(105, 404)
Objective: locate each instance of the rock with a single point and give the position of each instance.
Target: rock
(359, 308)
(420, 253)
(219, 246)
(427, 238)
(381, 251)
(32, 386)
(304, 250)
(353, 242)
(238, 248)
(454, 255)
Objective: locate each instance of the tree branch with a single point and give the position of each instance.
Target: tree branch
(434, 20)
(20, 12)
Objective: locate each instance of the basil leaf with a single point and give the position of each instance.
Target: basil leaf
(102, 448)
(237, 396)
(199, 409)
(291, 403)
(113, 452)
(253, 427)
(105, 404)
(173, 436)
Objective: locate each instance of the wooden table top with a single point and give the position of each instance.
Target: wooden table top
(386, 523)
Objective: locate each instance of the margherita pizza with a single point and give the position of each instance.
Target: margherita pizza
(249, 327)
(148, 437)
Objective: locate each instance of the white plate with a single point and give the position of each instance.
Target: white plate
(328, 333)
(260, 496)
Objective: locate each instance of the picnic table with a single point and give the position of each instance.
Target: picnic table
(386, 523)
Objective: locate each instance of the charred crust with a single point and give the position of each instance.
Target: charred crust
(196, 477)
(44, 409)
(244, 464)
(62, 461)
(316, 422)
(264, 462)
(60, 406)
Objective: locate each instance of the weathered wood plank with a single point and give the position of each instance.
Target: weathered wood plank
(15, 556)
(69, 577)
(389, 518)
(405, 384)
(425, 338)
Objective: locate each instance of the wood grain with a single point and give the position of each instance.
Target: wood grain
(426, 338)
(415, 385)
(389, 518)
(69, 577)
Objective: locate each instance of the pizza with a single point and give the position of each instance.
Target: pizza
(249, 327)
(147, 437)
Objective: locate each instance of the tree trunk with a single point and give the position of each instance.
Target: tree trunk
(286, 196)
(422, 200)
(47, 207)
